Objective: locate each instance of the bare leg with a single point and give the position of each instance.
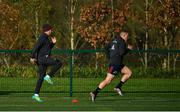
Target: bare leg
(126, 74)
(107, 81)
(102, 85)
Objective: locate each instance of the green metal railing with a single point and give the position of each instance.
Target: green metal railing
(59, 51)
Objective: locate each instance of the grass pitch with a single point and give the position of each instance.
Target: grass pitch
(140, 95)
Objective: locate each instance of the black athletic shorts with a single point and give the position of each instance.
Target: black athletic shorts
(115, 69)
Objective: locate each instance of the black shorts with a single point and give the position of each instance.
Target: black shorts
(115, 69)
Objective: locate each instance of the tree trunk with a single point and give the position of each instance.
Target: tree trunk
(166, 60)
(175, 55)
(73, 3)
(146, 53)
(174, 62)
(72, 24)
(36, 16)
(112, 17)
(96, 59)
(5, 59)
(36, 24)
(146, 38)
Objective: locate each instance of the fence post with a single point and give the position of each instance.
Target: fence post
(71, 73)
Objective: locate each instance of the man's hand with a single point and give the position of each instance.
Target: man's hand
(33, 60)
(53, 40)
(130, 47)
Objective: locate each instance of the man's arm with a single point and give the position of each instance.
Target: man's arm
(53, 42)
(106, 48)
(129, 48)
(37, 46)
(121, 47)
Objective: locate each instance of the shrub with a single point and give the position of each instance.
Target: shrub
(87, 72)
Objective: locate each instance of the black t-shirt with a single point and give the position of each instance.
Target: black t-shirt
(115, 50)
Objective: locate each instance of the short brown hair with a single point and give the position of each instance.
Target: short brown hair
(46, 27)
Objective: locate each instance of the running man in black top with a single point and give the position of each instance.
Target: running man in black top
(115, 50)
(41, 55)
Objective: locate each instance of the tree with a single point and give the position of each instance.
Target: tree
(9, 25)
(165, 16)
(99, 21)
(96, 24)
(20, 22)
(155, 26)
(17, 26)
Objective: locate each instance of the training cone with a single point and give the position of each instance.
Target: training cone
(75, 101)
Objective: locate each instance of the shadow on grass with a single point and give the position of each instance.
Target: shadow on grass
(5, 92)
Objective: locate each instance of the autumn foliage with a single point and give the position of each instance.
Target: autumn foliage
(166, 15)
(9, 24)
(98, 22)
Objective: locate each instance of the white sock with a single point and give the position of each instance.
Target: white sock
(36, 94)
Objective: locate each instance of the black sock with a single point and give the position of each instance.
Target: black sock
(120, 84)
(97, 90)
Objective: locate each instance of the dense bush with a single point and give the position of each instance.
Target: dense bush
(155, 73)
(83, 72)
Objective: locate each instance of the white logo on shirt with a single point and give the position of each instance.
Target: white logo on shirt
(113, 48)
(115, 72)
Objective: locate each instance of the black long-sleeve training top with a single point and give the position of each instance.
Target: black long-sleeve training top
(42, 47)
(115, 50)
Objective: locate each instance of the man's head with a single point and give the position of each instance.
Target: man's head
(124, 35)
(46, 28)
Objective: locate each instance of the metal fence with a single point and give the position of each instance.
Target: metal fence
(83, 69)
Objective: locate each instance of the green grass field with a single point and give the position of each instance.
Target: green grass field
(140, 94)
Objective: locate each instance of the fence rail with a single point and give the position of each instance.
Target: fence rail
(57, 51)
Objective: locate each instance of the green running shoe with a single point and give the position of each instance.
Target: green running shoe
(37, 98)
(48, 79)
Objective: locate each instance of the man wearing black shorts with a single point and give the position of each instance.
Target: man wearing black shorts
(115, 50)
(41, 55)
